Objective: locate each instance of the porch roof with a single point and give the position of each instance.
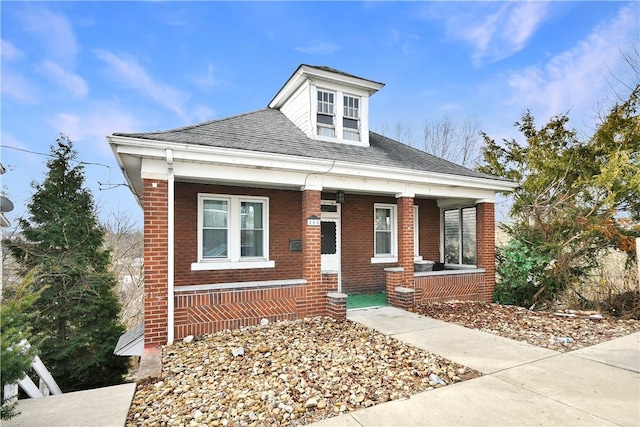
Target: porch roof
(270, 131)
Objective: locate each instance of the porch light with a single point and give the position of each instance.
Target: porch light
(339, 196)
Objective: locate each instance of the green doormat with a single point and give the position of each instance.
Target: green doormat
(366, 300)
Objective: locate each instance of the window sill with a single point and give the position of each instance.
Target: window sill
(384, 260)
(231, 265)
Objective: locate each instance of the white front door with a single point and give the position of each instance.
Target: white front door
(330, 242)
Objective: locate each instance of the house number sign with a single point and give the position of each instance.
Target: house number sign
(313, 221)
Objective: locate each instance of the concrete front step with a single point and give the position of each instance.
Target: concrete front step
(107, 406)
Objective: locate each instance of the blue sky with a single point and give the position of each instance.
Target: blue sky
(89, 69)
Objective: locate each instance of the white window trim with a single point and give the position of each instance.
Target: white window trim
(460, 225)
(338, 115)
(233, 261)
(393, 256)
(334, 115)
(358, 130)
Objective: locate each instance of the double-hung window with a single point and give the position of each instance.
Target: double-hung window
(385, 233)
(325, 116)
(350, 118)
(232, 232)
(459, 235)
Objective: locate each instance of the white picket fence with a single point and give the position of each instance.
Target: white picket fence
(47, 385)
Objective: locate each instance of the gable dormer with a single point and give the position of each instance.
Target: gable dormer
(327, 104)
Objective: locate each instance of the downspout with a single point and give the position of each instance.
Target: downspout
(170, 246)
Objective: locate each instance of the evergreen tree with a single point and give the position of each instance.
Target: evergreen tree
(576, 200)
(77, 311)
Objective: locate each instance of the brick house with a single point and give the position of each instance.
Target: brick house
(279, 213)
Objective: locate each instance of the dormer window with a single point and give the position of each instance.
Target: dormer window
(326, 124)
(327, 105)
(351, 118)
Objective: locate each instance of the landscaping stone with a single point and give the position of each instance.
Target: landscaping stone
(315, 368)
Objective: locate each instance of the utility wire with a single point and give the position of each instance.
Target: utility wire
(50, 155)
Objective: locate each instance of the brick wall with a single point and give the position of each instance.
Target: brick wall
(155, 262)
(358, 274)
(406, 249)
(429, 223)
(394, 276)
(284, 225)
(486, 246)
(316, 303)
(209, 311)
(438, 288)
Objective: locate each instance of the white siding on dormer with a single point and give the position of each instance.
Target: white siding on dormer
(364, 120)
(298, 107)
(298, 101)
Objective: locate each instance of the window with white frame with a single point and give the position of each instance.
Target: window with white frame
(232, 228)
(351, 118)
(385, 230)
(325, 115)
(459, 236)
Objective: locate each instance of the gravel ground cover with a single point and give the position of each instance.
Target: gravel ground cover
(290, 373)
(560, 331)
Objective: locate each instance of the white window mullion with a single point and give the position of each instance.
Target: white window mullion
(339, 113)
(234, 231)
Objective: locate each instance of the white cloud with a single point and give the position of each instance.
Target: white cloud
(93, 125)
(134, 76)
(494, 30)
(580, 77)
(71, 82)
(54, 31)
(9, 52)
(17, 87)
(320, 48)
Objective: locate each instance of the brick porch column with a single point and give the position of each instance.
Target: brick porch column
(316, 304)
(486, 246)
(406, 252)
(155, 262)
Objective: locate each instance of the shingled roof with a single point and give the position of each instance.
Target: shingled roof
(269, 131)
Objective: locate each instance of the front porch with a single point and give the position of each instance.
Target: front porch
(430, 286)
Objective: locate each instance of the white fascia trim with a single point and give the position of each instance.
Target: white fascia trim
(231, 265)
(363, 84)
(240, 158)
(305, 72)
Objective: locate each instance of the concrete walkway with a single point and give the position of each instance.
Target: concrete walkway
(522, 384)
(107, 406)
